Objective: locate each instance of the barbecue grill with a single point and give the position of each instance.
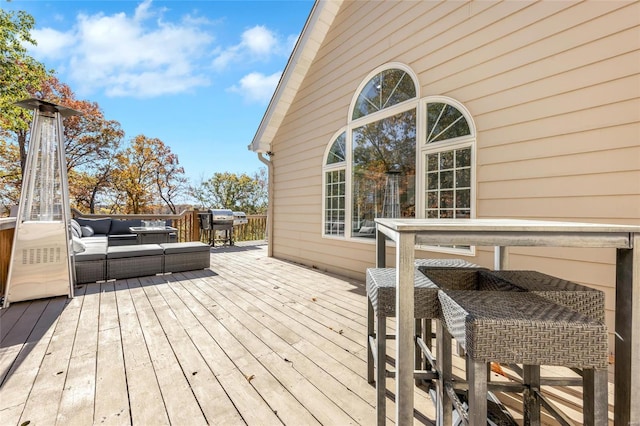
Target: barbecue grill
(240, 218)
(217, 225)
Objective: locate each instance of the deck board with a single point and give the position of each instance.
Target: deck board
(252, 340)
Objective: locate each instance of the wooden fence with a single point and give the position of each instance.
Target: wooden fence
(189, 227)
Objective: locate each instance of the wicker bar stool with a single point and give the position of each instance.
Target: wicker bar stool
(381, 301)
(519, 327)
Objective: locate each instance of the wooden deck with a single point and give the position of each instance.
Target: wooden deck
(254, 340)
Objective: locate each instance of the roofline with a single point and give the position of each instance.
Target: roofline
(316, 27)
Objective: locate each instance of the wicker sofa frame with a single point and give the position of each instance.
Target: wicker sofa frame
(101, 262)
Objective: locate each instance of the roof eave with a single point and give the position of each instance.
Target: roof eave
(315, 29)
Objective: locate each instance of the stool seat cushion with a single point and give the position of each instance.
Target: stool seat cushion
(523, 328)
(381, 290)
(381, 287)
(588, 301)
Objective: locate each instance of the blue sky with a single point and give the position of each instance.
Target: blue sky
(197, 75)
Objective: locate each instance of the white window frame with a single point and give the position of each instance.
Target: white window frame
(422, 148)
(331, 168)
(425, 148)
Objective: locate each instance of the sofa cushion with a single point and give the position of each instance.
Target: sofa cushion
(99, 226)
(186, 247)
(123, 239)
(92, 253)
(77, 245)
(122, 226)
(76, 229)
(118, 252)
(87, 231)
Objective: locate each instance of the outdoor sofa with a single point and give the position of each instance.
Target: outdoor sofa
(107, 250)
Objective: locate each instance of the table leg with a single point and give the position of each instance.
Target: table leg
(404, 329)
(381, 258)
(500, 258)
(627, 342)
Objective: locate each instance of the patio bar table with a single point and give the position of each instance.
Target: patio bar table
(502, 233)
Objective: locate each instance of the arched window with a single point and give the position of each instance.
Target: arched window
(334, 175)
(371, 167)
(385, 89)
(382, 139)
(448, 158)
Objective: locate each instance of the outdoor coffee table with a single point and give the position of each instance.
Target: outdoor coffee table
(152, 235)
(502, 233)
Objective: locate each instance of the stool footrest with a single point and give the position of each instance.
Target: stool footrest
(426, 352)
(553, 410)
(497, 413)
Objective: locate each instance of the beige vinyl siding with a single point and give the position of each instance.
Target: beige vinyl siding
(553, 88)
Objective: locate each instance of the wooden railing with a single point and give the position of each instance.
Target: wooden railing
(186, 222)
(189, 227)
(254, 229)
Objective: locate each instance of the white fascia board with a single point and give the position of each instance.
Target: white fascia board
(320, 19)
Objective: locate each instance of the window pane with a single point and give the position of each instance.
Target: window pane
(446, 214)
(444, 122)
(383, 171)
(463, 178)
(432, 180)
(463, 157)
(446, 160)
(337, 151)
(446, 199)
(444, 194)
(432, 162)
(432, 200)
(334, 202)
(386, 89)
(446, 180)
(463, 198)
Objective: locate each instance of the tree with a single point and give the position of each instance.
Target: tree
(231, 191)
(147, 172)
(169, 176)
(10, 176)
(89, 137)
(21, 76)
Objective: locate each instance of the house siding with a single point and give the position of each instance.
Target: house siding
(553, 88)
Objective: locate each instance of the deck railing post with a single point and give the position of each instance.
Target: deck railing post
(195, 226)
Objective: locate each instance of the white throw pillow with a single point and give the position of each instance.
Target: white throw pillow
(87, 231)
(75, 228)
(78, 245)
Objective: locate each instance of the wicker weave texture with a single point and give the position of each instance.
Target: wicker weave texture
(521, 327)
(131, 267)
(467, 279)
(381, 288)
(178, 262)
(91, 271)
(585, 300)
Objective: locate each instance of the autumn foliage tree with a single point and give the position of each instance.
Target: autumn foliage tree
(147, 172)
(20, 75)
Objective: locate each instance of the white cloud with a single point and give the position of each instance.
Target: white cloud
(51, 43)
(257, 43)
(129, 56)
(260, 41)
(257, 87)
